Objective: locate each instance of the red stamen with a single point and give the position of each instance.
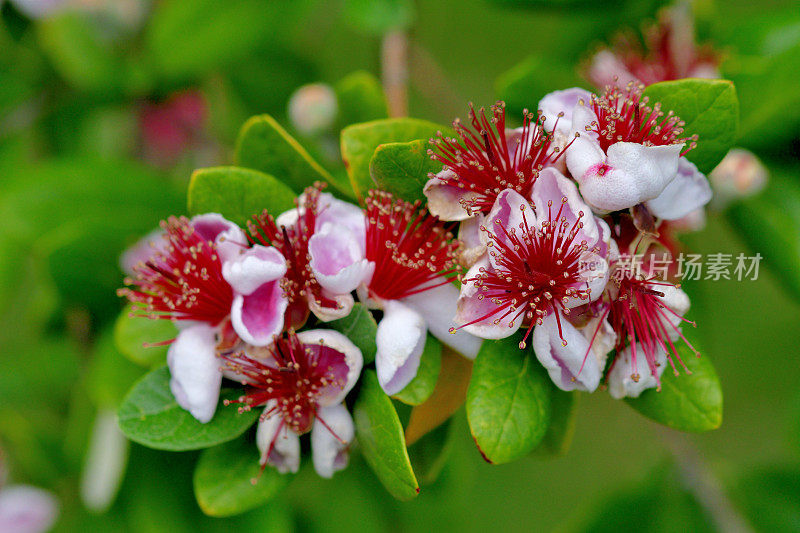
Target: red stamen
(183, 283)
(481, 159)
(624, 116)
(412, 251)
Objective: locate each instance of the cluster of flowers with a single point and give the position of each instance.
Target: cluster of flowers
(239, 298)
(543, 212)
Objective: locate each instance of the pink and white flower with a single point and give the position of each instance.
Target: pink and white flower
(26, 509)
(301, 380)
(626, 153)
(546, 257)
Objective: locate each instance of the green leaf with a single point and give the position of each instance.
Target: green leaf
(770, 224)
(133, 333)
(110, 375)
(421, 387)
(223, 479)
(379, 16)
(237, 193)
(402, 168)
(709, 109)
(525, 84)
(563, 415)
(150, 415)
(380, 436)
(360, 98)
(359, 142)
(360, 327)
(508, 401)
(687, 402)
(265, 146)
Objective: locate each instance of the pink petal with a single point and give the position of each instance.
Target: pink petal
(258, 317)
(252, 269)
(444, 200)
(476, 314)
(353, 360)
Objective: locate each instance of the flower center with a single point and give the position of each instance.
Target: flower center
(485, 161)
(624, 116)
(294, 374)
(537, 270)
(299, 283)
(643, 322)
(185, 282)
(411, 249)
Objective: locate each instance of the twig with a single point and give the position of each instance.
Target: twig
(394, 66)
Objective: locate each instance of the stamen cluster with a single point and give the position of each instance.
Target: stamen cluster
(624, 116)
(182, 282)
(485, 161)
(411, 249)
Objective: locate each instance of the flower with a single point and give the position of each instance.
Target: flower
(670, 53)
(646, 316)
(23, 508)
(293, 235)
(627, 152)
(486, 160)
(740, 174)
(301, 380)
(184, 281)
(545, 258)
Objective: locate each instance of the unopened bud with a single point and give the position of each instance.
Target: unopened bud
(313, 108)
(739, 174)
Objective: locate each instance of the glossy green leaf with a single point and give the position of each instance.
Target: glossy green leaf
(403, 168)
(237, 193)
(687, 402)
(110, 375)
(380, 436)
(360, 327)
(379, 16)
(224, 476)
(265, 146)
(359, 142)
(564, 411)
(423, 384)
(360, 98)
(150, 415)
(134, 334)
(770, 224)
(508, 401)
(525, 84)
(709, 109)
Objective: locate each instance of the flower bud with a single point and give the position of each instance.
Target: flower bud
(739, 175)
(313, 108)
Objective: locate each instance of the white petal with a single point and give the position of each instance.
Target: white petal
(400, 339)
(196, 377)
(26, 509)
(444, 200)
(472, 246)
(506, 217)
(344, 304)
(678, 302)
(438, 308)
(258, 265)
(632, 174)
(290, 217)
(329, 453)
(561, 102)
(105, 462)
(582, 155)
(571, 366)
(285, 452)
(337, 259)
(687, 192)
(620, 382)
(477, 312)
(352, 355)
(552, 186)
(331, 210)
(229, 238)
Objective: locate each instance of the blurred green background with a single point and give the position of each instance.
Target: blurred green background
(107, 106)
